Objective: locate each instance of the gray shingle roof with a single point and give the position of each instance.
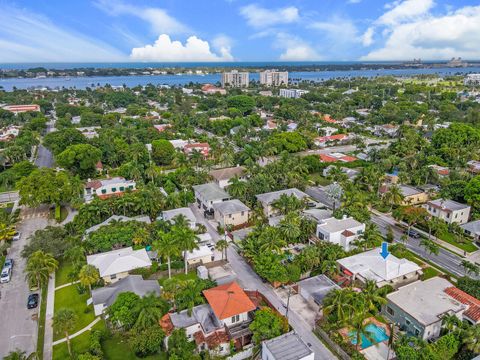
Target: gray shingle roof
(270, 197)
(230, 207)
(211, 191)
(227, 173)
(201, 314)
(185, 211)
(133, 283)
(448, 204)
(288, 346)
(317, 287)
(472, 226)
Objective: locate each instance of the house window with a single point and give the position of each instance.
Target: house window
(114, 189)
(243, 213)
(104, 191)
(448, 215)
(417, 332)
(235, 318)
(321, 236)
(408, 322)
(230, 216)
(130, 186)
(122, 188)
(390, 311)
(434, 211)
(113, 276)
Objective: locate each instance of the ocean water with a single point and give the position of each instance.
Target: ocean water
(135, 80)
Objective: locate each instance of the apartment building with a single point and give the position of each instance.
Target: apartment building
(292, 93)
(235, 78)
(274, 77)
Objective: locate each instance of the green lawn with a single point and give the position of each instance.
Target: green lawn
(117, 348)
(190, 276)
(61, 276)
(68, 297)
(41, 322)
(318, 179)
(80, 344)
(467, 246)
(429, 272)
(63, 214)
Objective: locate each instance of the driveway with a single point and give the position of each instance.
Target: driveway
(248, 279)
(19, 325)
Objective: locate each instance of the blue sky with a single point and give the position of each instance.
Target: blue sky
(237, 30)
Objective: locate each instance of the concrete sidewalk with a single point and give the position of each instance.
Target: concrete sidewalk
(48, 339)
(86, 328)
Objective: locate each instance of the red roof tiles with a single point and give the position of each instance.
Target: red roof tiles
(228, 300)
(473, 311)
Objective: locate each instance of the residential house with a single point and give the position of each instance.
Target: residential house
(16, 109)
(117, 218)
(162, 127)
(270, 125)
(340, 231)
(317, 214)
(89, 132)
(116, 264)
(209, 89)
(178, 144)
(474, 166)
(328, 131)
(418, 308)
(289, 346)
(170, 215)
(208, 194)
(267, 199)
(105, 296)
(370, 265)
(108, 187)
(222, 177)
(334, 157)
(322, 141)
(231, 213)
(350, 173)
(411, 195)
(292, 93)
(448, 210)
(315, 288)
(472, 229)
(10, 132)
(387, 129)
(441, 171)
(202, 148)
(202, 255)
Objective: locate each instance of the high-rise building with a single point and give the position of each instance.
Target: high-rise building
(274, 77)
(292, 93)
(235, 79)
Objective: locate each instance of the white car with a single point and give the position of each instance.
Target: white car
(16, 236)
(6, 275)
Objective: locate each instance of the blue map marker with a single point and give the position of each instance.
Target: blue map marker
(384, 251)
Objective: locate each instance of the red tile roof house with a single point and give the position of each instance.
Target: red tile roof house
(162, 127)
(21, 108)
(330, 158)
(321, 141)
(212, 326)
(203, 148)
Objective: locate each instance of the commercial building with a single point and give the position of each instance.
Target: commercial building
(418, 308)
(370, 265)
(448, 210)
(274, 77)
(235, 78)
(292, 93)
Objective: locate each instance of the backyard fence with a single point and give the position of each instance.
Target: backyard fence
(331, 344)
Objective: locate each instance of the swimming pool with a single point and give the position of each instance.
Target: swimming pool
(377, 333)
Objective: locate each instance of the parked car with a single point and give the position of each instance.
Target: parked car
(6, 275)
(8, 263)
(413, 234)
(16, 236)
(32, 301)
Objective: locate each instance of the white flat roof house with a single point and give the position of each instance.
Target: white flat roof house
(288, 346)
(115, 265)
(370, 265)
(201, 255)
(267, 199)
(419, 307)
(340, 231)
(448, 210)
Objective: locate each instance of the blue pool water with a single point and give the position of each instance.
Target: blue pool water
(377, 333)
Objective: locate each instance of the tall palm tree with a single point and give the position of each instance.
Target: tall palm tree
(393, 196)
(451, 322)
(271, 240)
(187, 241)
(374, 297)
(471, 338)
(150, 309)
(339, 303)
(166, 247)
(222, 246)
(287, 203)
(430, 246)
(39, 267)
(64, 321)
(238, 189)
(191, 294)
(290, 227)
(88, 276)
(359, 326)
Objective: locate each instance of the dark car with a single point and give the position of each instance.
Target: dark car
(32, 301)
(413, 234)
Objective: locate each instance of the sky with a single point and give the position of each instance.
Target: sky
(237, 30)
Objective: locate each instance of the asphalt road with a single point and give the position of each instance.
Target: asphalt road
(248, 279)
(18, 324)
(445, 259)
(44, 156)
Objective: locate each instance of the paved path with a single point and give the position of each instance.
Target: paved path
(19, 326)
(65, 285)
(248, 279)
(86, 328)
(48, 339)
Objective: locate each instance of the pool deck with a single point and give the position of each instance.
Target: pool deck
(371, 320)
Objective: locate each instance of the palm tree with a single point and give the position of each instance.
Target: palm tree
(88, 276)
(191, 294)
(360, 329)
(374, 297)
(471, 338)
(39, 267)
(469, 267)
(339, 303)
(290, 227)
(287, 203)
(430, 246)
(271, 240)
(150, 309)
(222, 246)
(238, 189)
(20, 355)
(6, 232)
(166, 247)
(393, 196)
(451, 322)
(64, 321)
(186, 240)
(371, 237)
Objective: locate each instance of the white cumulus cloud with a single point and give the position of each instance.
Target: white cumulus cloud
(259, 17)
(367, 37)
(166, 50)
(433, 37)
(295, 49)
